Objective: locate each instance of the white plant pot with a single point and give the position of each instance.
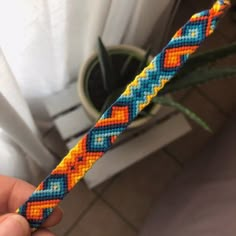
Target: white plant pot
(86, 102)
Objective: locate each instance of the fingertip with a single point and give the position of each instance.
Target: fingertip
(14, 224)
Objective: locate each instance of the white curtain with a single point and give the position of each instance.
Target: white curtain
(43, 44)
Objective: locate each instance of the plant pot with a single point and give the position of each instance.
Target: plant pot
(87, 78)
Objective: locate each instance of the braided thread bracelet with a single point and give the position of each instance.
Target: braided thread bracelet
(115, 120)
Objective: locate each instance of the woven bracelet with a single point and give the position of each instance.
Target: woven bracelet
(117, 117)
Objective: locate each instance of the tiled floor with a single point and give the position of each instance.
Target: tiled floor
(120, 206)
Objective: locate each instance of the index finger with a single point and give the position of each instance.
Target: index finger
(15, 192)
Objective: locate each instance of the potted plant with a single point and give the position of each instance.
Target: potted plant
(104, 76)
(106, 73)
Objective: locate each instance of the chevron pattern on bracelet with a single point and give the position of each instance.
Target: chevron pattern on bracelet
(115, 120)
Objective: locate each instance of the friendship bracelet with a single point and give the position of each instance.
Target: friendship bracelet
(117, 117)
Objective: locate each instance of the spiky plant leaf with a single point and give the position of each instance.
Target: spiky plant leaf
(190, 114)
(144, 62)
(202, 59)
(108, 74)
(125, 66)
(197, 77)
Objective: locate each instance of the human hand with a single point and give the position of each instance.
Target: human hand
(13, 193)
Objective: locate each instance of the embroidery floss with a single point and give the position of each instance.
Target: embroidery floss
(115, 120)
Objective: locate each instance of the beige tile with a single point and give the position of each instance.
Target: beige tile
(73, 206)
(101, 220)
(189, 145)
(136, 189)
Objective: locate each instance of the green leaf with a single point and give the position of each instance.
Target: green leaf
(144, 62)
(108, 75)
(125, 66)
(202, 59)
(190, 114)
(197, 77)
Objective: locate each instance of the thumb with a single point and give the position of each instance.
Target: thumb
(14, 224)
